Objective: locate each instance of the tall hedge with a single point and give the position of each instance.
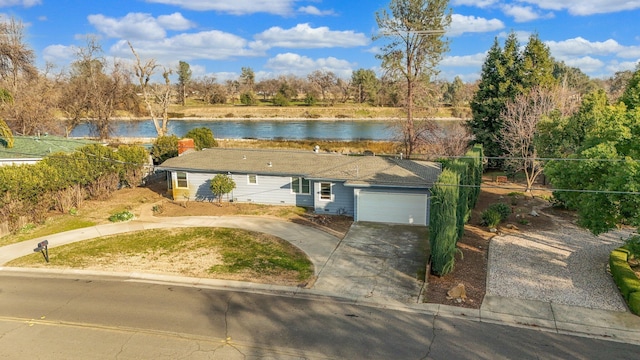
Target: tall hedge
(443, 232)
(29, 191)
(462, 211)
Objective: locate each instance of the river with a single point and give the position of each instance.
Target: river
(301, 129)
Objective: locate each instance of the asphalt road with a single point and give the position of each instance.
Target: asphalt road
(100, 318)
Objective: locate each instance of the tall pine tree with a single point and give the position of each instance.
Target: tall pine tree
(506, 73)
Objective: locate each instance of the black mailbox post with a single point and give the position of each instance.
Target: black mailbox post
(43, 247)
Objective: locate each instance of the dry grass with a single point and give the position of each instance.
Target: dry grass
(269, 111)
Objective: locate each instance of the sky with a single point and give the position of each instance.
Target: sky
(296, 37)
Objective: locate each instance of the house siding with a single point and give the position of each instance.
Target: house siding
(270, 190)
(342, 199)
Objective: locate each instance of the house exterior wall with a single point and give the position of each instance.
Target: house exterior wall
(341, 202)
(270, 190)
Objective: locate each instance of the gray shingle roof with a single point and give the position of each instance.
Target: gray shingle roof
(354, 170)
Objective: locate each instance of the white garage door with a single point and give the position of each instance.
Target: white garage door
(397, 208)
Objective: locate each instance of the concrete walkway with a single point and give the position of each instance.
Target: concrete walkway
(374, 265)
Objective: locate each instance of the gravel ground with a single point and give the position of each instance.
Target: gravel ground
(566, 265)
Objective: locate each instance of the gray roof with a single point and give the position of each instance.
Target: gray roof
(354, 170)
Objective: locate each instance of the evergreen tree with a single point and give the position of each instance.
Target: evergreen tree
(506, 73)
(489, 101)
(631, 95)
(538, 65)
(184, 78)
(365, 85)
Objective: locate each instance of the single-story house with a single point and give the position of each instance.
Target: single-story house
(31, 149)
(369, 188)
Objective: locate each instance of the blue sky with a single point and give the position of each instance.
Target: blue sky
(280, 37)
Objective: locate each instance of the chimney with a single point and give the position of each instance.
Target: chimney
(185, 146)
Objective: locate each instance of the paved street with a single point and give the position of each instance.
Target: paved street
(80, 317)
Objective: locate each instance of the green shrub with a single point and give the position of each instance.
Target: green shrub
(202, 138)
(634, 302)
(443, 233)
(633, 245)
(165, 147)
(501, 208)
(491, 218)
(623, 276)
(121, 216)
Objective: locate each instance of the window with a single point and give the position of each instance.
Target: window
(325, 191)
(182, 180)
(300, 185)
(252, 179)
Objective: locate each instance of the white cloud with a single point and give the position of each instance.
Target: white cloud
(580, 46)
(235, 7)
(209, 45)
(175, 21)
(615, 66)
(58, 53)
(461, 24)
(295, 64)
(523, 13)
(138, 25)
(24, 3)
(587, 7)
(522, 36)
(474, 60)
(587, 64)
(303, 36)
(476, 3)
(312, 10)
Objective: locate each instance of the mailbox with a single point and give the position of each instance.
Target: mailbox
(43, 247)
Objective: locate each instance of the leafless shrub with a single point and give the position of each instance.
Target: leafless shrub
(104, 186)
(66, 199)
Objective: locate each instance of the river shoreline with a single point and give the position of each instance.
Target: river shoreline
(138, 119)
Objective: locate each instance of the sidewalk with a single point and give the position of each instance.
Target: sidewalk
(337, 268)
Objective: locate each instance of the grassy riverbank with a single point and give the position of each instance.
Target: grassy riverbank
(196, 111)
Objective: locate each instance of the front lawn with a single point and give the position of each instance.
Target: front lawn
(219, 253)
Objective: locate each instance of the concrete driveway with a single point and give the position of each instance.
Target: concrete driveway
(377, 263)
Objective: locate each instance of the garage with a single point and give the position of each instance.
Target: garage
(391, 207)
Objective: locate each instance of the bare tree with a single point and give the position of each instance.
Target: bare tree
(324, 80)
(32, 111)
(16, 58)
(450, 138)
(157, 97)
(521, 117)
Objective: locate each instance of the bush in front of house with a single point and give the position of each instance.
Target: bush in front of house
(443, 233)
(62, 181)
(221, 184)
(463, 211)
(491, 218)
(121, 216)
(501, 208)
